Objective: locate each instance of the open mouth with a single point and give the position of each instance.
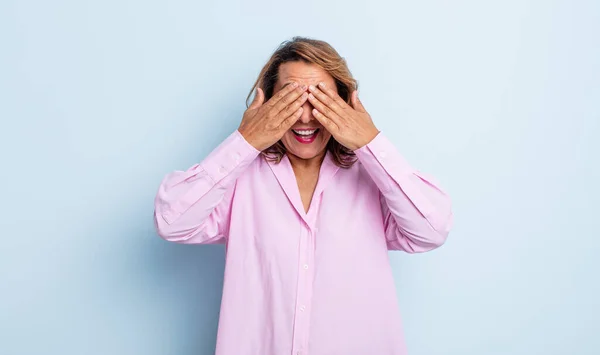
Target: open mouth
(306, 135)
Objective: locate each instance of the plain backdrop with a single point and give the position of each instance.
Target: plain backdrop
(499, 100)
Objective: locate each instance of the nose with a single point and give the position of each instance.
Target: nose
(307, 114)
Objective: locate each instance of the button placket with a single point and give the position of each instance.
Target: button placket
(310, 250)
(305, 281)
(302, 295)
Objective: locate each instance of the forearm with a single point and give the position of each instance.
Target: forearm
(417, 211)
(187, 199)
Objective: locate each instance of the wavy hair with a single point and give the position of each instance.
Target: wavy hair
(316, 52)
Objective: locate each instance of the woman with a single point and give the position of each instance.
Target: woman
(308, 196)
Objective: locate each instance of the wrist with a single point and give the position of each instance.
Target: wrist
(248, 138)
(368, 138)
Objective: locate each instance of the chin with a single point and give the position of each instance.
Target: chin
(306, 151)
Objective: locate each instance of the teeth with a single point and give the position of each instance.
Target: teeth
(305, 132)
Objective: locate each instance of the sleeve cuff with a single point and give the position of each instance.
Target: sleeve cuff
(232, 154)
(381, 155)
(390, 170)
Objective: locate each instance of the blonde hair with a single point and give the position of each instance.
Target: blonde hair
(314, 52)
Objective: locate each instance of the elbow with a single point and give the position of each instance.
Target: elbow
(167, 232)
(436, 240)
(162, 227)
(438, 234)
(439, 229)
(186, 234)
(426, 238)
(429, 242)
(167, 224)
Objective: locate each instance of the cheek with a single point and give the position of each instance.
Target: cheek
(287, 139)
(288, 136)
(326, 136)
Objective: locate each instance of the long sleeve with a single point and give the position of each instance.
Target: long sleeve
(193, 206)
(417, 214)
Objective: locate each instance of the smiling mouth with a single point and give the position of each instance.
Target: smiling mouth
(305, 133)
(306, 136)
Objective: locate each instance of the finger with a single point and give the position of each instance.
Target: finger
(356, 103)
(293, 107)
(288, 99)
(259, 99)
(322, 107)
(286, 89)
(333, 95)
(329, 125)
(327, 101)
(289, 121)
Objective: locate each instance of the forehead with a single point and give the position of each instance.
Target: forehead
(302, 73)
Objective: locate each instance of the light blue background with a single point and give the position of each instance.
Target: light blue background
(500, 100)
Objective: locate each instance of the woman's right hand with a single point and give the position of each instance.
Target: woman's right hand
(264, 125)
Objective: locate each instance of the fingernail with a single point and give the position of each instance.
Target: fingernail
(322, 84)
(311, 96)
(294, 84)
(303, 87)
(304, 96)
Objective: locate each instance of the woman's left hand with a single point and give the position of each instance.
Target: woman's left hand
(351, 126)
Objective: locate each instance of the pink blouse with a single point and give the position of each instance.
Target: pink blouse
(316, 283)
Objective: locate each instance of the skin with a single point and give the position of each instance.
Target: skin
(305, 156)
(305, 97)
(264, 123)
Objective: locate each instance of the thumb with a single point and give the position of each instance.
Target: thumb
(259, 98)
(356, 104)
